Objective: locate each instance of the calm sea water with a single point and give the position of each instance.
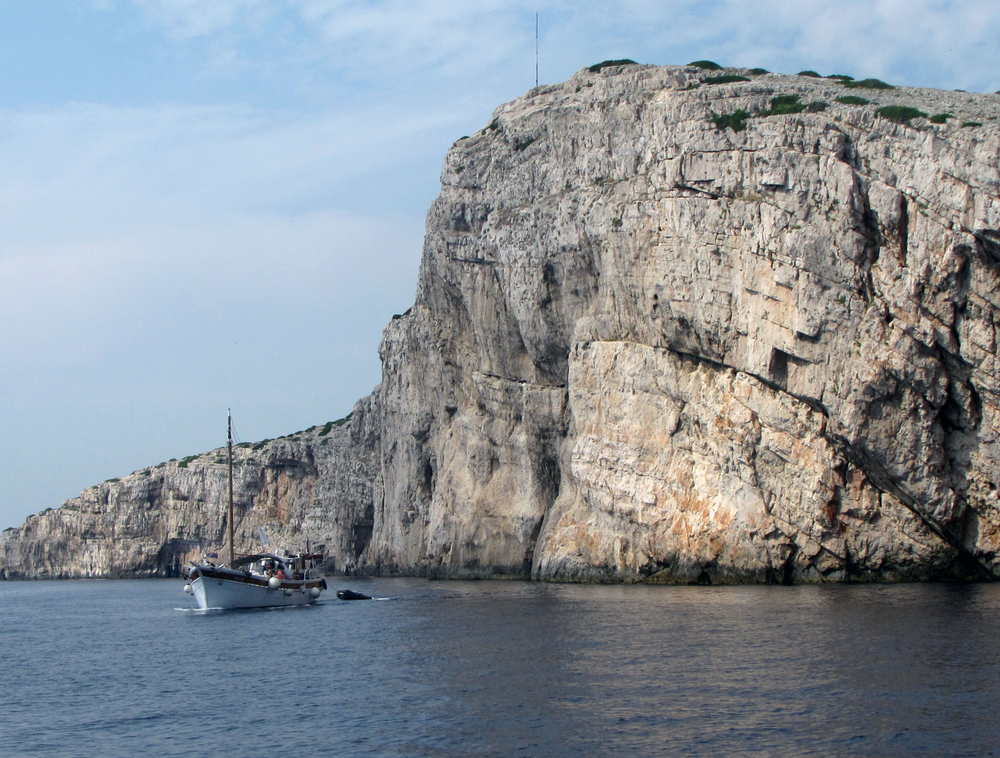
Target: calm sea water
(126, 668)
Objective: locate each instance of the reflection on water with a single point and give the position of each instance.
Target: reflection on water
(505, 669)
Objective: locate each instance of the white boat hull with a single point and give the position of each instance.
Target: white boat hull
(220, 588)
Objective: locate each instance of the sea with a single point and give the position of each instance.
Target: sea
(501, 668)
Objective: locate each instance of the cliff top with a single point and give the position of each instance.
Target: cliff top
(939, 109)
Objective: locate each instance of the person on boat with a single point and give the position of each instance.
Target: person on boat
(280, 574)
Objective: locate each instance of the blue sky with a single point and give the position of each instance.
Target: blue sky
(220, 203)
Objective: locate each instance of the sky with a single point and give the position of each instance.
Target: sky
(213, 204)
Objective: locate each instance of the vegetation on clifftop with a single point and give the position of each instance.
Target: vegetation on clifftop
(596, 68)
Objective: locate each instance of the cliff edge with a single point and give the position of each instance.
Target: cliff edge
(671, 325)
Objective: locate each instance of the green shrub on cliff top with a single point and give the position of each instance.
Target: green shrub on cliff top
(784, 105)
(853, 100)
(726, 79)
(596, 68)
(868, 84)
(706, 65)
(901, 114)
(735, 120)
(940, 118)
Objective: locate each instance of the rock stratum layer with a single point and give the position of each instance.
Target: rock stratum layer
(647, 348)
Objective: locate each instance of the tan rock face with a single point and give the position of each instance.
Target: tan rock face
(684, 471)
(645, 348)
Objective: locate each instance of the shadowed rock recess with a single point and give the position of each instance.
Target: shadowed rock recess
(647, 347)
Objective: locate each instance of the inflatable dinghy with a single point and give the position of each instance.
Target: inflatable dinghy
(351, 595)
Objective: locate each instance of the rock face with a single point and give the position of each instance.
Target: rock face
(647, 348)
(315, 484)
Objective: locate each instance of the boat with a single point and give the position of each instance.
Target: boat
(352, 595)
(263, 580)
(260, 580)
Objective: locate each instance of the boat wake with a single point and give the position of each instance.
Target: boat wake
(209, 611)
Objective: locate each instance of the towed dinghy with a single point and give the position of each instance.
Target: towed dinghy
(352, 595)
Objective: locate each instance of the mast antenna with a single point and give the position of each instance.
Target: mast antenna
(536, 48)
(232, 555)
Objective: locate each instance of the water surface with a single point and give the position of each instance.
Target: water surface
(127, 668)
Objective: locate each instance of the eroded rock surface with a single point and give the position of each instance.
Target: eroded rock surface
(645, 348)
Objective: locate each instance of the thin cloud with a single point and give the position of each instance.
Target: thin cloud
(187, 19)
(68, 170)
(452, 37)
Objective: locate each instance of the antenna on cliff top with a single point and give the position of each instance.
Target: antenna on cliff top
(229, 446)
(536, 48)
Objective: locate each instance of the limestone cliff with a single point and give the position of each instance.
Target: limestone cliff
(314, 485)
(668, 327)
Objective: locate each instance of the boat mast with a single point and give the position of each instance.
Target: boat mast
(232, 556)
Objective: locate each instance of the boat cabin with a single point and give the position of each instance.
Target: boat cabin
(283, 566)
